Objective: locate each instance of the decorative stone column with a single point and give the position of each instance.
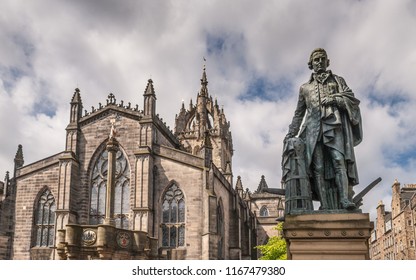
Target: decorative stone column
(112, 148)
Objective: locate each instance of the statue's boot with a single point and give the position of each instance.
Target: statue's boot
(322, 192)
(342, 184)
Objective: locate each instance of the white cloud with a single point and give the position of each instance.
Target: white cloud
(51, 47)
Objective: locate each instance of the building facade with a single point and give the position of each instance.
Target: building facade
(394, 234)
(268, 208)
(127, 187)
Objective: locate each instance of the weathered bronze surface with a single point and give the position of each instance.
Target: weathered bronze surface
(318, 158)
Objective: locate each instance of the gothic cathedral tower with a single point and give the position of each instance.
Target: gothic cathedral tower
(205, 124)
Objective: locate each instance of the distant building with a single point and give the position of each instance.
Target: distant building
(394, 234)
(171, 193)
(267, 207)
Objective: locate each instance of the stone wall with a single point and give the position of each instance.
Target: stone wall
(186, 172)
(29, 186)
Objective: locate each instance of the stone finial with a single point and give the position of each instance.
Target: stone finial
(204, 84)
(149, 100)
(191, 104)
(228, 167)
(149, 88)
(262, 185)
(247, 194)
(239, 184)
(18, 159)
(76, 98)
(111, 99)
(204, 80)
(76, 107)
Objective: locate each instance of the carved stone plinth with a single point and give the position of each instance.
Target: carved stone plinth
(329, 236)
(81, 242)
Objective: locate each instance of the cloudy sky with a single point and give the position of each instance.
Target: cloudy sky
(256, 58)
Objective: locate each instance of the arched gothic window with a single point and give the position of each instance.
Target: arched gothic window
(45, 220)
(264, 212)
(173, 218)
(121, 191)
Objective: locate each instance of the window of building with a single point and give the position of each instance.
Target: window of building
(280, 208)
(264, 212)
(373, 236)
(45, 220)
(121, 190)
(173, 218)
(387, 226)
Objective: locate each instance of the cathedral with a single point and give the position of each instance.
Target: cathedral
(127, 187)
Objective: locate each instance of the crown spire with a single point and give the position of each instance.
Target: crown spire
(204, 82)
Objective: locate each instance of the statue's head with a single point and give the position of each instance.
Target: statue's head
(318, 60)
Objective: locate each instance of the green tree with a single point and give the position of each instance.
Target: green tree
(275, 248)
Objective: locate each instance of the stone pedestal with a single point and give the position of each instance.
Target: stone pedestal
(327, 236)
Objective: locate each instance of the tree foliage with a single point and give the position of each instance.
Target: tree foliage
(275, 248)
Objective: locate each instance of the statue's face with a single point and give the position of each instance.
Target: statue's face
(319, 62)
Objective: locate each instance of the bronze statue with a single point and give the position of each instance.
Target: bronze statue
(331, 128)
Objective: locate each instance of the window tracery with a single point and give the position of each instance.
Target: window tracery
(45, 220)
(173, 218)
(121, 190)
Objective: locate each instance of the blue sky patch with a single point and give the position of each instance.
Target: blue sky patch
(22, 41)
(10, 76)
(401, 158)
(230, 44)
(43, 104)
(268, 90)
(45, 107)
(215, 44)
(392, 100)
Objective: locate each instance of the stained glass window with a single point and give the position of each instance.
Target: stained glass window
(173, 218)
(45, 220)
(121, 190)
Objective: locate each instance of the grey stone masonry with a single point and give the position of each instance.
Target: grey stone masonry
(173, 191)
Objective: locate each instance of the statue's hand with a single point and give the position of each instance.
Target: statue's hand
(333, 101)
(328, 101)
